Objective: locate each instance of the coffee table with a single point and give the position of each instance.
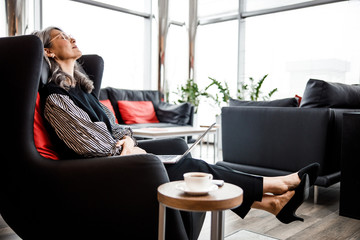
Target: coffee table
(167, 132)
(226, 197)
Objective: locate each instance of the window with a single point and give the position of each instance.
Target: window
(121, 39)
(291, 46)
(176, 59)
(25, 24)
(216, 57)
(138, 5)
(3, 20)
(216, 52)
(316, 42)
(177, 48)
(216, 7)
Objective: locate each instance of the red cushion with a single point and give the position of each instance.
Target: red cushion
(137, 112)
(107, 104)
(41, 137)
(298, 98)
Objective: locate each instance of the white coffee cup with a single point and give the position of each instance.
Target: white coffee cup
(198, 181)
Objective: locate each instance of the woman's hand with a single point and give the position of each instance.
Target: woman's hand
(128, 147)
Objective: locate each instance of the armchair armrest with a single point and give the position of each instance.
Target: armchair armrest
(113, 193)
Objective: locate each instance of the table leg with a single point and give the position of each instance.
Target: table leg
(215, 147)
(217, 225)
(207, 145)
(162, 219)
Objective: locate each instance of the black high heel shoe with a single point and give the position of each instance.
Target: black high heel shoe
(287, 213)
(312, 170)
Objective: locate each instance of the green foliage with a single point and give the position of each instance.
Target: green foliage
(224, 92)
(253, 90)
(190, 93)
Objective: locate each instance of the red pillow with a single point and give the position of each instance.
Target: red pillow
(107, 104)
(298, 98)
(137, 112)
(41, 137)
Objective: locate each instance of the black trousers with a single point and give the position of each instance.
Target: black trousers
(252, 185)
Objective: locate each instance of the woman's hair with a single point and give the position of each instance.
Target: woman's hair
(57, 75)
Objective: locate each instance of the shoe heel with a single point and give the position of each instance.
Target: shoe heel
(288, 218)
(297, 218)
(287, 213)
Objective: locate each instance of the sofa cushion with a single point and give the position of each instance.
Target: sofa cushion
(41, 137)
(107, 104)
(134, 95)
(115, 95)
(137, 112)
(321, 94)
(286, 102)
(171, 113)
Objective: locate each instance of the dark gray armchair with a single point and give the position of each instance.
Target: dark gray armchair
(272, 141)
(97, 198)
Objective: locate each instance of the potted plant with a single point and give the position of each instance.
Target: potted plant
(253, 90)
(224, 92)
(190, 93)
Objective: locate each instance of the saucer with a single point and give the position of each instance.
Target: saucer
(182, 187)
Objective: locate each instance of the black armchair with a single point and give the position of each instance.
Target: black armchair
(97, 198)
(271, 140)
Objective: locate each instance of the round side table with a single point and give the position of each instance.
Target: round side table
(226, 197)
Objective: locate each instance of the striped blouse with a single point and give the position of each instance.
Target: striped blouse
(75, 128)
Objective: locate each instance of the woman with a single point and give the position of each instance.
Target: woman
(82, 126)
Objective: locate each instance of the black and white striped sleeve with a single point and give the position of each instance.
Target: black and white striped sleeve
(118, 131)
(75, 128)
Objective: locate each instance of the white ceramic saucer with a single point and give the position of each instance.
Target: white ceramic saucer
(182, 187)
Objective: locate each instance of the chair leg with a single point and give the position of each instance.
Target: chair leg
(316, 194)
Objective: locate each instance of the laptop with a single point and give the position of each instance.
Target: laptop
(171, 159)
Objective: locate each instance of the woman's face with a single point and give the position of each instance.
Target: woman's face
(63, 47)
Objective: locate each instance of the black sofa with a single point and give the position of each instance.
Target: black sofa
(278, 137)
(93, 198)
(169, 115)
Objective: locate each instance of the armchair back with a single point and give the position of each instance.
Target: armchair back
(275, 138)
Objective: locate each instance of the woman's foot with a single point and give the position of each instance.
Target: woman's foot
(276, 202)
(287, 213)
(273, 203)
(312, 170)
(282, 184)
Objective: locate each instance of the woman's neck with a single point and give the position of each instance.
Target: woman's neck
(67, 66)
